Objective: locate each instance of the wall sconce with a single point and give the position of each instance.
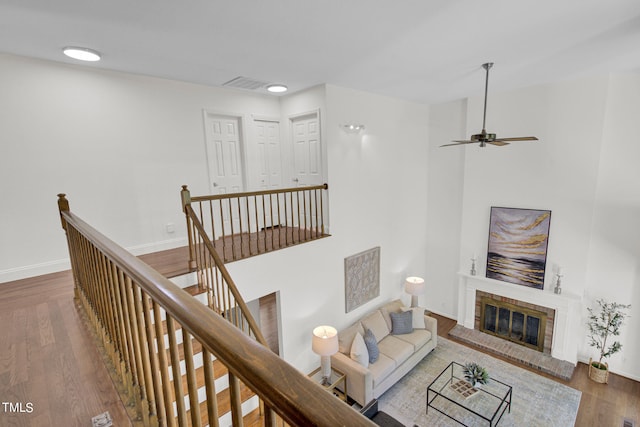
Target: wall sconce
(414, 286)
(352, 128)
(325, 343)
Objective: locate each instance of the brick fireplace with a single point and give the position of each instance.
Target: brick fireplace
(518, 321)
(563, 312)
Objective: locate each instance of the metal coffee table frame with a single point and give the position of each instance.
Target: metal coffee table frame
(439, 393)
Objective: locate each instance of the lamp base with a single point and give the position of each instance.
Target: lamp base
(325, 364)
(414, 301)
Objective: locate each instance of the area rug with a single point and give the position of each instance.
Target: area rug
(537, 401)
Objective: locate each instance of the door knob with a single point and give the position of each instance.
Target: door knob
(215, 184)
(295, 179)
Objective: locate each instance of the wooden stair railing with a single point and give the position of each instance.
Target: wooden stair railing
(132, 307)
(223, 296)
(243, 225)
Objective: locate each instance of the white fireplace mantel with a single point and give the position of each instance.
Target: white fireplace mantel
(567, 307)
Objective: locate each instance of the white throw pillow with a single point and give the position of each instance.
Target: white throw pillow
(377, 324)
(359, 351)
(345, 337)
(418, 317)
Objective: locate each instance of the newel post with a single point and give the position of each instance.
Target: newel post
(63, 206)
(185, 196)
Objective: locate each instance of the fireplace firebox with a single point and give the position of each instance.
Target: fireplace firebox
(521, 325)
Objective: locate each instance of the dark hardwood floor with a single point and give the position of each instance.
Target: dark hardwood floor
(50, 367)
(49, 359)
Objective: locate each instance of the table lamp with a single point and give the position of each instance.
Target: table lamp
(325, 343)
(414, 286)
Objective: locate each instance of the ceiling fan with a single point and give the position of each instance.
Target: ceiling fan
(483, 137)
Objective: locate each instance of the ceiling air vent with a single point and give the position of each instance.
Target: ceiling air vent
(628, 423)
(245, 83)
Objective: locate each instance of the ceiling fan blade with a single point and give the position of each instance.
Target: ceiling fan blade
(518, 138)
(498, 143)
(459, 143)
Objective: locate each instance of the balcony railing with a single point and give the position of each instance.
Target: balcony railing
(241, 225)
(164, 345)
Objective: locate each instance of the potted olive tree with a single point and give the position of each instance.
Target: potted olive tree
(604, 323)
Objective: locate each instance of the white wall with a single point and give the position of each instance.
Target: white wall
(445, 185)
(583, 169)
(119, 145)
(377, 185)
(613, 262)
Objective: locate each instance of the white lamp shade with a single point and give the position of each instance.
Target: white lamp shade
(325, 340)
(414, 285)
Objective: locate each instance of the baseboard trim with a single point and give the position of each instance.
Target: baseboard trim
(439, 313)
(157, 246)
(613, 371)
(17, 273)
(23, 272)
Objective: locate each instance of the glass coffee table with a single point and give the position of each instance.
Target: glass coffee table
(451, 395)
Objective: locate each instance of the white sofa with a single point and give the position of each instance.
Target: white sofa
(398, 353)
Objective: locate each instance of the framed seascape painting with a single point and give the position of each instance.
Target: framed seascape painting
(518, 240)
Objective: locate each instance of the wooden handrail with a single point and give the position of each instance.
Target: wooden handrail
(256, 193)
(226, 277)
(295, 398)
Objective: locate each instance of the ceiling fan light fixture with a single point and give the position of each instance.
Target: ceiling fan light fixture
(82, 53)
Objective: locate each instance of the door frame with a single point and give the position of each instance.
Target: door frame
(322, 153)
(242, 120)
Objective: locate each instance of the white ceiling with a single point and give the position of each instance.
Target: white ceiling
(427, 51)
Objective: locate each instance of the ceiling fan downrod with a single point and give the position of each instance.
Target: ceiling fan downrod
(484, 138)
(487, 66)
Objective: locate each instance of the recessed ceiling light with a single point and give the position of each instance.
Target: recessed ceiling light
(81, 53)
(277, 88)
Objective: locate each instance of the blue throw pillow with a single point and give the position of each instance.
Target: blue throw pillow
(402, 323)
(372, 345)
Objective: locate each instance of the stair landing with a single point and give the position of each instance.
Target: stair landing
(245, 245)
(175, 262)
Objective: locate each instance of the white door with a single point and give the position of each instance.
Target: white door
(226, 166)
(269, 157)
(224, 153)
(269, 168)
(307, 158)
(307, 164)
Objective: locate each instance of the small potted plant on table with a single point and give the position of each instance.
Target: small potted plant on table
(475, 374)
(604, 323)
